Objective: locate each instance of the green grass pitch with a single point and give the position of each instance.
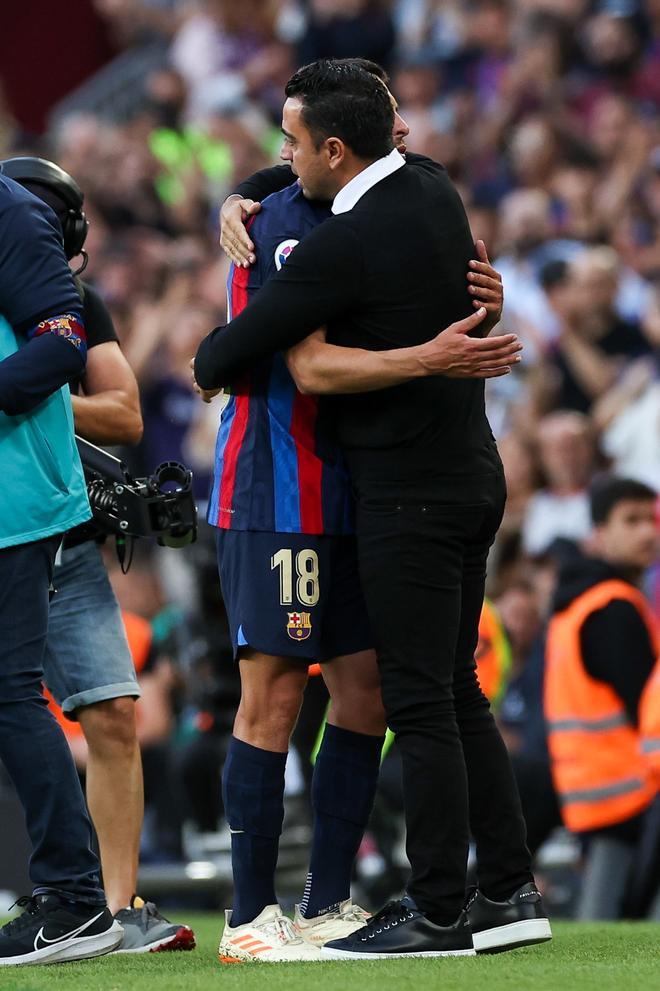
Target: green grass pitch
(591, 957)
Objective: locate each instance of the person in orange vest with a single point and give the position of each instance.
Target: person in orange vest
(493, 654)
(602, 693)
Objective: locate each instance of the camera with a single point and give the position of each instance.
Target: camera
(160, 506)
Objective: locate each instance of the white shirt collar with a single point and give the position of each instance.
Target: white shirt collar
(360, 184)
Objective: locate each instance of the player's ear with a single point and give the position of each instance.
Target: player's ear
(336, 151)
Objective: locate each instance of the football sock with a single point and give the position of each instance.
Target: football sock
(343, 789)
(253, 795)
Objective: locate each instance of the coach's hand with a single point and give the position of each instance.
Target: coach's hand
(234, 239)
(485, 285)
(456, 355)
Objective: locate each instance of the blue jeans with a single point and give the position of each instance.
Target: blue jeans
(32, 746)
(87, 657)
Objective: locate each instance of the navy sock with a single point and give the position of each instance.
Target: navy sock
(343, 789)
(253, 795)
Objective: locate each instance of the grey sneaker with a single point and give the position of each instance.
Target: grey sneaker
(147, 931)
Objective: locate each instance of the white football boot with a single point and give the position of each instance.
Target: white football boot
(340, 921)
(270, 938)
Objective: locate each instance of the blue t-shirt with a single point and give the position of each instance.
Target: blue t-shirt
(43, 490)
(35, 280)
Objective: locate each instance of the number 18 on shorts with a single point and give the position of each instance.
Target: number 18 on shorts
(292, 594)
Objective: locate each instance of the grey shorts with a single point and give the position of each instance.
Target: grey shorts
(87, 656)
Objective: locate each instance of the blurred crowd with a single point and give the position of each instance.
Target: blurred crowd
(546, 114)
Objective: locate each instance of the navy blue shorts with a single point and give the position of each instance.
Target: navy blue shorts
(293, 595)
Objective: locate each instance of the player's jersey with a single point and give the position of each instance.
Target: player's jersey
(277, 466)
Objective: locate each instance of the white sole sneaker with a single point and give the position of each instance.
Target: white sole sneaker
(250, 961)
(335, 924)
(523, 933)
(327, 953)
(270, 938)
(76, 948)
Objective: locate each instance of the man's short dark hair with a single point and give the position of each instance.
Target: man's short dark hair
(373, 68)
(343, 100)
(607, 493)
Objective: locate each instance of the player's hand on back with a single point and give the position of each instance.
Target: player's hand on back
(234, 239)
(455, 354)
(206, 395)
(485, 285)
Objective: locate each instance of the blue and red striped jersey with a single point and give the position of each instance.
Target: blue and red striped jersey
(277, 466)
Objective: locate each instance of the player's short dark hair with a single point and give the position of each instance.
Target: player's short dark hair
(607, 493)
(343, 100)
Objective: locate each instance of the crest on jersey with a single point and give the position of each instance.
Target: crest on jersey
(283, 250)
(299, 626)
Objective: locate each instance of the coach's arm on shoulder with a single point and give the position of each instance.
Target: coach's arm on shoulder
(320, 368)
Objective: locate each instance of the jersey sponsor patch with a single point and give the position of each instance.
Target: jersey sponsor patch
(299, 626)
(283, 250)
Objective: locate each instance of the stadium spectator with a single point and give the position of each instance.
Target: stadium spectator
(602, 692)
(344, 28)
(526, 234)
(561, 507)
(626, 414)
(594, 341)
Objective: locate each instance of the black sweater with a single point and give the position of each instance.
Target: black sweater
(389, 273)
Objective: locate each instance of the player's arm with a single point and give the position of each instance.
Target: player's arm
(325, 369)
(109, 410)
(321, 368)
(320, 281)
(242, 204)
(42, 304)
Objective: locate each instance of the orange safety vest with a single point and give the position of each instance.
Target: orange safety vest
(493, 654)
(140, 638)
(605, 770)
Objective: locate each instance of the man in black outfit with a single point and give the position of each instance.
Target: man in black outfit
(430, 494)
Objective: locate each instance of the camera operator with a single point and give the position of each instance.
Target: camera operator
(88, 666)
(42, 344)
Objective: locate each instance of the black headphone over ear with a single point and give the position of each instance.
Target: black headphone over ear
(41, 178)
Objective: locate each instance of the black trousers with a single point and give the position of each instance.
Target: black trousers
(423, 567)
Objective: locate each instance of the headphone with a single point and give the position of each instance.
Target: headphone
(48, 177)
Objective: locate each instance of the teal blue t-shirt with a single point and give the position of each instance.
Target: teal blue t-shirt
(42, 488)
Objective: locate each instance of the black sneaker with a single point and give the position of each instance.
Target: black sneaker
(518, 921)
(52, 930)
(147, 931)
(401, 930)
